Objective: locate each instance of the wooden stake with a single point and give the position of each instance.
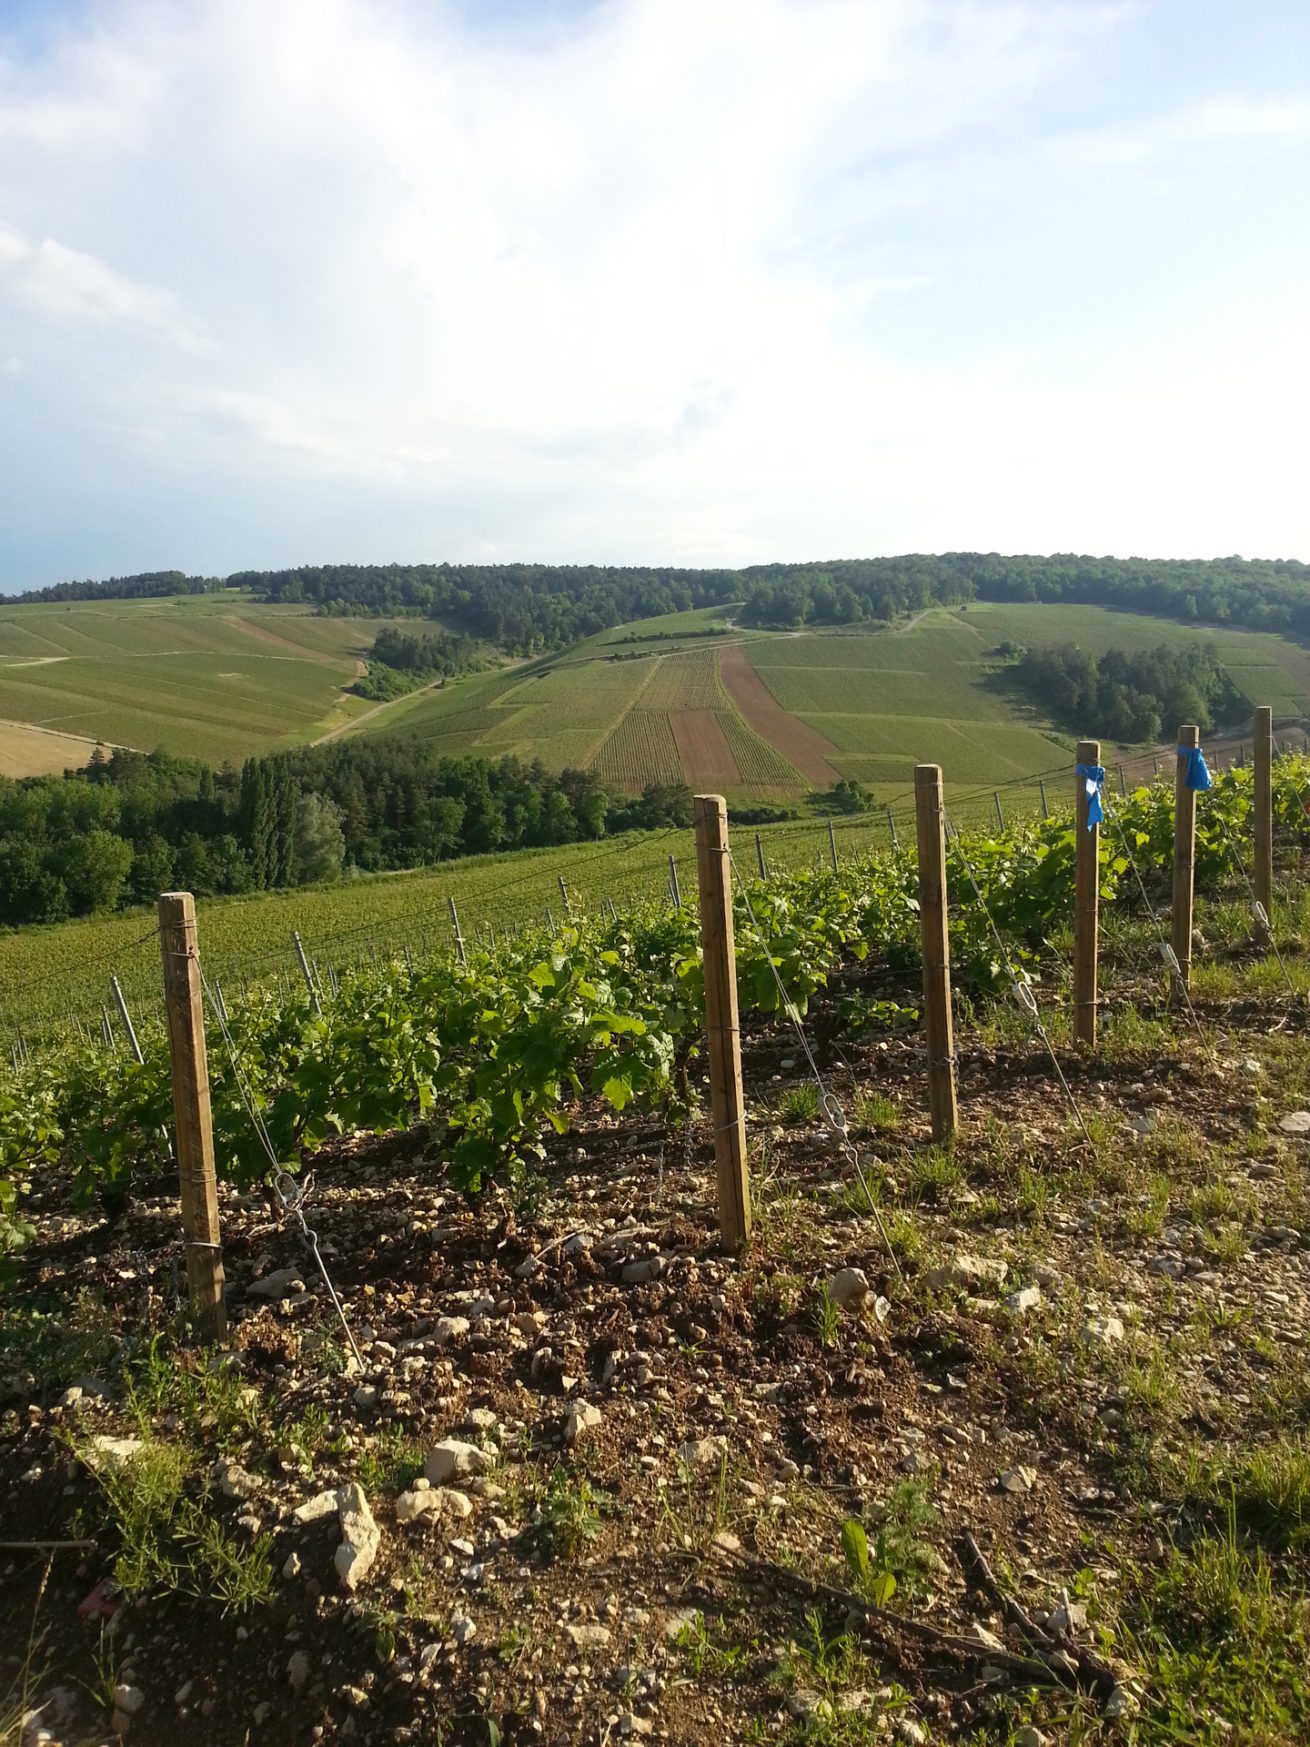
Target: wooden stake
(1123, 786)
(1046, 811)
(832, 845)
(1000, 816)
(891, 826)
(929, 814)
(759, 856)
(1086, 920)
(675, 889)
(184, 1004)
(723, 1032)
(564, 894)
(1189, 735)
(1264, 810)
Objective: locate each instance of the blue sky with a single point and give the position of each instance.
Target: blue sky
(650, 281)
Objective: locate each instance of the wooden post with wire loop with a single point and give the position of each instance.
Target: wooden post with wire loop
(1264, 808)
(723, 1032)
(1086, 918)
(929, 818)
(185, 1010)
(1189, 737)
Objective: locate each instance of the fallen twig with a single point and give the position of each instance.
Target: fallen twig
(1093, 1671)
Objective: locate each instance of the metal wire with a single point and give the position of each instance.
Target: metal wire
(290, 1194)
(828, 1100)
(1021, 992)
(1257, 908)
(1167, 952)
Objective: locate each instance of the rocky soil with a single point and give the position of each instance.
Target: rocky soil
(591, 1483)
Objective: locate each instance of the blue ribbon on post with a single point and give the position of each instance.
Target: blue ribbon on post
(1094, 776)
(1198, 774)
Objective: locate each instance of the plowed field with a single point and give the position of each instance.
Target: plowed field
(801, 745)
(703, 749)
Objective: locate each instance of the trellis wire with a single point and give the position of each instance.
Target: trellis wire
(1257, 908)
(1021, 992)
(828, 1101)
(292, 1197)
(1167, 952)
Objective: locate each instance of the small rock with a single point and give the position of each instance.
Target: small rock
(588, 1637)
(1121, 1703)
(1295, 1122)
(262, 1712)
(577, 1245)
(321, 1505)
(582, 1416)
(848, 1288)
(970, 1271)
(700, 1452)
(292, 1567)
(988, 1639)
(298, 1670)
(282, 1283)
(129, 1699)
(1030, 1737)
(1025, 1299)
(367, 1396)
(462, 1629)
(1018, 1479)
(882, 1308)
(1169, 1266)
(648, 1268)
(452, 1457)
(420, 1502)
(360, 1536)
(1105, 1329)
(908, 1730)
(449, 1328)
(71, 1397)
(117, 1449)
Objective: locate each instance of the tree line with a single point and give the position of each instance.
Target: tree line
(530, 609)
(133, 825)
(1129, 696)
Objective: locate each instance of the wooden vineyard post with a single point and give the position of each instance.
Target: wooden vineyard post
(1086, 896)
(1189, 736)
(929, 816)
(723, 1033)
(1264, 809)
(185, 1009)
(832, 845)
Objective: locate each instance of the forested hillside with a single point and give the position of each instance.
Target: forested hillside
(132, 826)
(531, 608)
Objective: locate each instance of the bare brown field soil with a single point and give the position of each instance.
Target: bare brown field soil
(703, 749)
(802, 745)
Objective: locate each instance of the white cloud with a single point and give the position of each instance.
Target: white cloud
(658, 279)
(66, 285)
(1219, 122)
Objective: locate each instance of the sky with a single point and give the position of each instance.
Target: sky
(650, 281)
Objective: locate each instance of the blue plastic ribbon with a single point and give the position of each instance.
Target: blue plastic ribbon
(1198, 774)
(1094, 776)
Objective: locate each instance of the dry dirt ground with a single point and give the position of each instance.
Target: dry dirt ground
(1088, 1358)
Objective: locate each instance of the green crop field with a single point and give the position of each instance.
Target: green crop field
(49, 972)
(214, 677)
